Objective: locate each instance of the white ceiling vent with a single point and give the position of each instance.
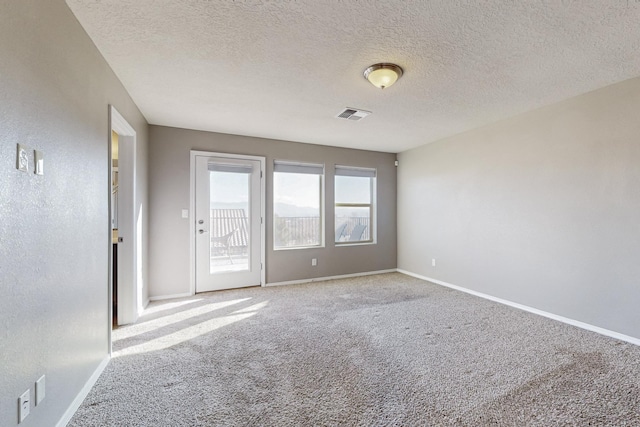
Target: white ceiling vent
(353, 114)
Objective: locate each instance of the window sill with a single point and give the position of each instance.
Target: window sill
(294, 248)
(348, 244)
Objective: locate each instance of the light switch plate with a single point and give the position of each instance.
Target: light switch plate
(38, 160)
(22, 158)
(40, 390)
(185, 213)
(24, 405)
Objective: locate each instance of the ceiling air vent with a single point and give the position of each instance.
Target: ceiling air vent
(353, 114)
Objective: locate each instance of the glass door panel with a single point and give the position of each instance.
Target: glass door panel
(229, 218)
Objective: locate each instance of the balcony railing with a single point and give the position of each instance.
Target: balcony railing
(296, 231)
(289, 231)
(305, 231)
(229, 232)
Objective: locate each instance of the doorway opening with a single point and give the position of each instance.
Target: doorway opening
(125, 293)
(114, 226)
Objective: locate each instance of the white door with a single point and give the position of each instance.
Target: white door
(227, 222)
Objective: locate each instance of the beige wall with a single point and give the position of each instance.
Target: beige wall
(54, 229)
(169, 194)
(542, 209)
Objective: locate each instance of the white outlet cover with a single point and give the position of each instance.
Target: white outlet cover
(40, 390)
(22, 159)
(185, 213)
(24, 405)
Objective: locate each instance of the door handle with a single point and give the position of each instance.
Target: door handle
(202, 231)
(201, 222)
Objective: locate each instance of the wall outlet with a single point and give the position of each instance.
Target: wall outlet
(24, 405)
(40, 390)
(185, 213)
(433, 262)
(314, 261)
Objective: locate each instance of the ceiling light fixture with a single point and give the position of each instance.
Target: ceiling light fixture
(383, 75)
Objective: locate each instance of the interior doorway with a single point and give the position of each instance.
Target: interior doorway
(228, 225)
(125, 301)
(114, 226)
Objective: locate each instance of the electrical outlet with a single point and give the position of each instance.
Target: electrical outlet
(314, 261)
(40, 390)
(433, 262)
(24, 405)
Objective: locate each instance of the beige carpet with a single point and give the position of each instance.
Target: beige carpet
(384, 350)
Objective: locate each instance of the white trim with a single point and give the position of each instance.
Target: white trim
(192, 213)
(192, 207)
(164, 297)
(119, 123)
(295, 248)
(347, 244)
(323, 279)
(129, 299)
(577, 323)
(110, 171)
(71, 410)
(263, 221)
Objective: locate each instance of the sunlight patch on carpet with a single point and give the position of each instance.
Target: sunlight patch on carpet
(151, 325)
(153, 309)
(182, 336)
(252, 308)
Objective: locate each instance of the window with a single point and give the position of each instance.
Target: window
(297, 205)
(355, 204)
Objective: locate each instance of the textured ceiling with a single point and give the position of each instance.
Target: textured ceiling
(284, 69)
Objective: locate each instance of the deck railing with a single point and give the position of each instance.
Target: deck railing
(296, 231)
(289, 231)
(305, 231)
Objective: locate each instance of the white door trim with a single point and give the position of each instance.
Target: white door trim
(192, 210)
(129, 294)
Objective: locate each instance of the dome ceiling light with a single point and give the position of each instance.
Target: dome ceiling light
(383, 75)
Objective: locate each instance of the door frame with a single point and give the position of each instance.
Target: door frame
(129, 251)
(192, 210)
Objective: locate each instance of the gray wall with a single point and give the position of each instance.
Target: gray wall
(54, 229)
(169, 193)
(542, 209)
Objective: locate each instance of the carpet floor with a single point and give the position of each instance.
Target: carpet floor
(383, 350)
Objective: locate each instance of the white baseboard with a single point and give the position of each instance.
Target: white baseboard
(562, 319)
(323, 279)
(71, 410)
(163, 297)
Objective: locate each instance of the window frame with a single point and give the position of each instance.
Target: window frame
(297, 167)
(355, 171)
